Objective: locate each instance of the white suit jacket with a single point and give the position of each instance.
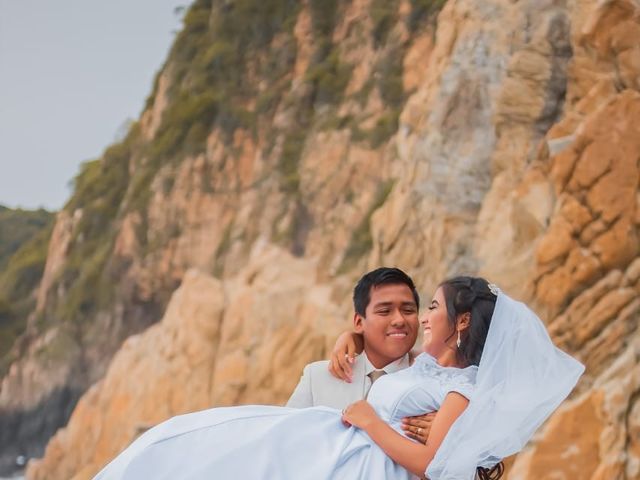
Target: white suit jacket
(318, 387)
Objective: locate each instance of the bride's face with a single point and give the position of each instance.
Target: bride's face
(437, 329)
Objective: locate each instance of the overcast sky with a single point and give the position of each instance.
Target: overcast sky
(71, 73)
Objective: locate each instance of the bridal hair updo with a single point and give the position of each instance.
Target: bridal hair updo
(469, 295)
(472, 295)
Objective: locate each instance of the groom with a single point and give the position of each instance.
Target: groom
(386, 307)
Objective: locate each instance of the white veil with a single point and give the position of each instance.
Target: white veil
(521, 380)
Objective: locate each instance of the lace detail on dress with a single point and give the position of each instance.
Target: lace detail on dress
(452, 379)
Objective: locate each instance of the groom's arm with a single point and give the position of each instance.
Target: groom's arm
(302, 396)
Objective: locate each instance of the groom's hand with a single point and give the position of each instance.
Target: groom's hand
(418, 427)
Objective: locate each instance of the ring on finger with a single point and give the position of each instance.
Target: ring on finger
(419, 431)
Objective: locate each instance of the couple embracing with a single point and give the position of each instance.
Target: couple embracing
(487, 368)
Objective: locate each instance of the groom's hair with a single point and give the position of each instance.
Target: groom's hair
(375, 278)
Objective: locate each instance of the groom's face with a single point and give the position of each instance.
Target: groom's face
(390, 324)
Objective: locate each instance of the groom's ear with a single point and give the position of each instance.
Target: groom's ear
(358, 319)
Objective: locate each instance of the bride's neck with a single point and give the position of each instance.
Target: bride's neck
(448, 358)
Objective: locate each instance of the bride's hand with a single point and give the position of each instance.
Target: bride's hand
(359, 414)
(348, 345)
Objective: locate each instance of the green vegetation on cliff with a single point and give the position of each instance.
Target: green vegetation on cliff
(24, 237)
(87, 277)
(208, 64)
(17, 226)
(214, 64)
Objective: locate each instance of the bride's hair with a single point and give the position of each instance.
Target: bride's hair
(472, 295)
(469, 295)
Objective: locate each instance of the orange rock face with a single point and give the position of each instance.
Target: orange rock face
(596, 181)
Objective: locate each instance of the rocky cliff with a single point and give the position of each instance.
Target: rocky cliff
(287, 147)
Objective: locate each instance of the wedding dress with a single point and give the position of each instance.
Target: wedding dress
(262, 442)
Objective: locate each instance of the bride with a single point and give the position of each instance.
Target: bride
(488, 368)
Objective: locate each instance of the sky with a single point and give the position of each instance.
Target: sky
(72, 72)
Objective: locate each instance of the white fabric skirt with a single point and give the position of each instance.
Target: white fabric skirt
(254, 442)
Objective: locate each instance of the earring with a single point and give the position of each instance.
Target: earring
(458, 342)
